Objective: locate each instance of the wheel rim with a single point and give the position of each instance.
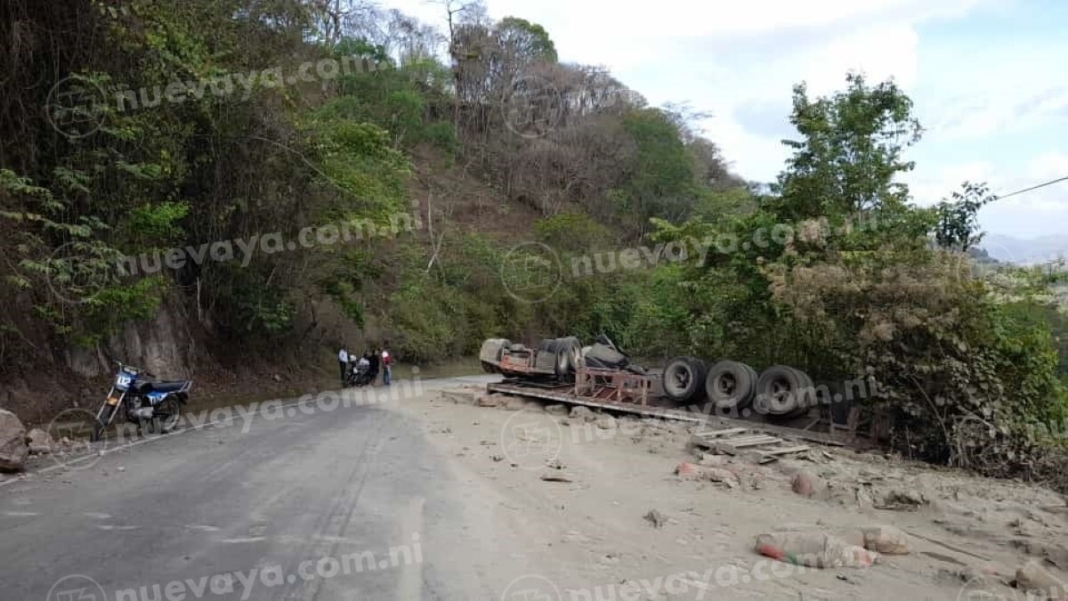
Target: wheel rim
(726, 384)
(682, 378)
(781, 394)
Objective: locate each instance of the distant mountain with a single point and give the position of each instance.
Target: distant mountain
(1025, 252)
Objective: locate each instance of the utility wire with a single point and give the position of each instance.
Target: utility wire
(1042, 185)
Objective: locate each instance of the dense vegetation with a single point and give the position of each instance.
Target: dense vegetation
(832, 268)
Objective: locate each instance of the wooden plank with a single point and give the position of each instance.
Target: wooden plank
(721, 433)
(748, 440)
(948, 546)
(755, 442)
(786, 450)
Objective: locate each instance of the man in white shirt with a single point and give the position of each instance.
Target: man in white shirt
(387, 365)
(343, 361)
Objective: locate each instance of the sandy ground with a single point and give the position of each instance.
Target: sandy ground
(588, 538)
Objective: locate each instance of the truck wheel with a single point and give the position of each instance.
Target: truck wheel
(568, 356)
(779, 391)
(548, 345)
(730, 385)
(806, 396)
(684, 379)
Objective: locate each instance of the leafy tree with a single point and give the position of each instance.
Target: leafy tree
(850, 152)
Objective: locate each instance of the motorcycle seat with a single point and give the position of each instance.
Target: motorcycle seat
(165, 386)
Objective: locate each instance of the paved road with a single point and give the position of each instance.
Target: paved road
(343, 504)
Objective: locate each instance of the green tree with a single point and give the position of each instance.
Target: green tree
(850, 151)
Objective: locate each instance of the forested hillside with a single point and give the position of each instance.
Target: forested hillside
(239, 124)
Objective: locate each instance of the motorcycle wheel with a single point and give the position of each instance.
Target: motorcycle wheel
(170, 413)
(100, 425)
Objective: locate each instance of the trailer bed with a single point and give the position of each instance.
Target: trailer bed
(565, 394)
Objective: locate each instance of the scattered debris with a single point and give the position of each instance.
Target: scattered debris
(907, 500)
(497, 457)
(690, 471)
(814, 550)
(491, 400)
(948, 546)
(39, 442)
(461, 396)
(1033, 578)
(887, 540)
(807, 484)
(731, 441)
(655, 518)
(557, 410)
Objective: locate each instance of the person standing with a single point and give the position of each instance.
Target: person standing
(343, 362)
(387, 362)
(375, 359)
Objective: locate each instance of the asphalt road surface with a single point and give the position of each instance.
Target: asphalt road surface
(349, 503)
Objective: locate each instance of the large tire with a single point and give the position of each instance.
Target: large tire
(171, 415)
(730, 385)
(807, 397)
(548, 345)
(684, 379)
(780, 392)
(568, 356)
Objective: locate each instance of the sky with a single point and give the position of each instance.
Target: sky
(989, 79)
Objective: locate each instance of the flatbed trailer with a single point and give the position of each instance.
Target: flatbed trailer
(627, 392)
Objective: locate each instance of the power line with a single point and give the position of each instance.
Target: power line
(1042, 185)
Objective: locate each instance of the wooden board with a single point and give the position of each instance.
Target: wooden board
(785, 450)
(722, 433)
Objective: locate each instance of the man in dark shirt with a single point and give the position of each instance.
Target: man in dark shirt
(375, 358)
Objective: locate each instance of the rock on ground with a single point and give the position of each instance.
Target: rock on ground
(1033, 578)
(39, 441)
(807, 484)
(13, 448)
(584, 413)
(491, 400)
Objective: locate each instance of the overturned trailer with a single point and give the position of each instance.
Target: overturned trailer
(600, 375)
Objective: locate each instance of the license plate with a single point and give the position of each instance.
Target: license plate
(113, 401)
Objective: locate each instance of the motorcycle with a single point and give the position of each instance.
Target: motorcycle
(142, 400)
(360, 376)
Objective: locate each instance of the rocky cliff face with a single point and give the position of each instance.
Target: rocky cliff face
(162, 345)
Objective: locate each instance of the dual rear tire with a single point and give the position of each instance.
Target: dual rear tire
(780, 392)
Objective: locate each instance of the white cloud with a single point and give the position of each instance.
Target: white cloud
(1036, 213)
